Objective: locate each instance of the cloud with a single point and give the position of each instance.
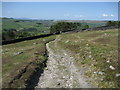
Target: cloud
(108, 15)
(112, 15)
(104, 15)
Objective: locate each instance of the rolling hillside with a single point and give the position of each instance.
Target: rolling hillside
(19, 24)
(93, 54)
(91, 23)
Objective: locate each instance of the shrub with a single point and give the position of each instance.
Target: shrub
(86, 26)
(64, 26)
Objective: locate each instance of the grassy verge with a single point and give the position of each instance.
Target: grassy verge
(21, 60)
(97, 51)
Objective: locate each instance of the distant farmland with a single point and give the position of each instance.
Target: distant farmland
(20, 28)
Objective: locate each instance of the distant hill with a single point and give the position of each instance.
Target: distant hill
(91, 23)
(19, 24)
(19, 28)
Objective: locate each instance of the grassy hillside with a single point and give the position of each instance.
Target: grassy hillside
(18, 28)
(20, 60)
(92, 25)
(9, 23)
(97, 53)
(12, 23)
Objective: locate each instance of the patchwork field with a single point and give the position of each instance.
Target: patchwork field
(19, 24)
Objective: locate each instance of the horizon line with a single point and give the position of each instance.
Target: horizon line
(59, 19)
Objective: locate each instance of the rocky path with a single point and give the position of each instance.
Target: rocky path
(61, 71)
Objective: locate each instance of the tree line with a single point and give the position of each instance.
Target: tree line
(113, 23)
(10, 34)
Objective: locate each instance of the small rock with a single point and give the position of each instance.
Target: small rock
(108, 61)
(94, 72)
(67, 41)
(87, 44)
(36, 52)
(90, 52)
(105, 34)
(35, 43)
(46, 68)
(18, 53)
(90, 56)
(117, 75)
(58, 84)
(102, 79)
(101, 73)
(111, 67)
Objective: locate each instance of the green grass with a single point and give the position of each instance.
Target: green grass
(92, 49)
(13, 64)
(92, 25)
(10, 23)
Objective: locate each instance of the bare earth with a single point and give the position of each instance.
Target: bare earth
(61, 71)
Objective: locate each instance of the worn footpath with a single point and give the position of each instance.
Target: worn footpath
(61, 71)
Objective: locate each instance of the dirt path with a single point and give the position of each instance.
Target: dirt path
(61, 71)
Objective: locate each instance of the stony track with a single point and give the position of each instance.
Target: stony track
(61, 71)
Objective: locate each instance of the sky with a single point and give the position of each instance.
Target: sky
(61, 10)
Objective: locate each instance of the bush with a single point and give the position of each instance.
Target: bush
(86, 26)
(9, 34)
(16, 21)
(64, 26)
(39, 23)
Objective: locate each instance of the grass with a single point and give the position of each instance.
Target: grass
(92, 25)
(92, 49)
(31, 57)
(43, 28)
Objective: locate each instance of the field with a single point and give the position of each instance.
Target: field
(91, 23)
(19, 24)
